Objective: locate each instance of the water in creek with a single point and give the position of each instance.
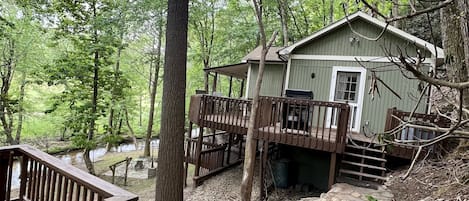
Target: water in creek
(76, 157)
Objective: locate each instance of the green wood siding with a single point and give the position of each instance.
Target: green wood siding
(272, 82)
(338, 42)
(374, 111)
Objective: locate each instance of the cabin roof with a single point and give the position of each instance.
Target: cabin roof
(255, 55)
(240, 70)
(434, 50)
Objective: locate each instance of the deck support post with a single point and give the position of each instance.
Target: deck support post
(230, 142)
(263, 164)
(241, 89)
(23, 176)
(214, 84)
(332, 170)
(240, 146)
(198, 152)
(230, 88)
(3, 178)
(188, 151)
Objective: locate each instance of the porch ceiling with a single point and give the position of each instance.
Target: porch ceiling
(239, 70)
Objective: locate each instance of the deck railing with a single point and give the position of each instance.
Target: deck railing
(44, 177)
(298, 122)
(214, 152)
(220, 113)
(408, 134)
(303, 122)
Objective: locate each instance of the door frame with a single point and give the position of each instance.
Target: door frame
(361, 92)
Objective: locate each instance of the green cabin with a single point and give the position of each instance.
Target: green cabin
(326, 64)
(335, 67)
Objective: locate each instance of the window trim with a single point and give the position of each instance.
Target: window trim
(361, 89)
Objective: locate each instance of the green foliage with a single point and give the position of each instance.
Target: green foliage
(371, 198)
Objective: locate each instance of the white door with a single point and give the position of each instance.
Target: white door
(348, 85)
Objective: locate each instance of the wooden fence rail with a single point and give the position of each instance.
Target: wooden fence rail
(44, 177)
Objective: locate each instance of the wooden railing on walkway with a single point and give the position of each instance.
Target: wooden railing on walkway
(212, 156)
(409, 134)
(44, 177)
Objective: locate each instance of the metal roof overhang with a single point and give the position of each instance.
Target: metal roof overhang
(239, 70)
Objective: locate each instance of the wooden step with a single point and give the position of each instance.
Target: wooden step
(362, 174)
(364, 165)
(365, 156)
(365, 148)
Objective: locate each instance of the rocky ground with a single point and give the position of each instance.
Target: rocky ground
(446, 179)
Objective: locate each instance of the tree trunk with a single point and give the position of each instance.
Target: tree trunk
(94, 100)
(132, 133)
(19, 127)
(395, 12)
(331, 12)
(7, 72)
(250, 148)
(154, 86)
(170, 175)
(283, 21)
(453, 47)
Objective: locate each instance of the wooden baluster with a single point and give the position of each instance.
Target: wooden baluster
(323, 127)
(23, 176)
(47, 186)
(60, 187)
(53, 186)
(31, 172)
(10, 176)
(43, 183)
(38, 181)
(78, 192)
(3, 178)
(92, 196)
(72, 189)
(85, 194)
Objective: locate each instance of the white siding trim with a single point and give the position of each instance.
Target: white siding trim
(287, 76)
(361, 93)
(352, 58)
(248, 82)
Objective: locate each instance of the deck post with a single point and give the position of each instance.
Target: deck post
(214, 84)
(198, 152)
(241, 89)
(332, 170)
(230, 142)
(240, 146)
(230, 88)
(264, 153)
(3, 178)
(23, 176)
(188, 151)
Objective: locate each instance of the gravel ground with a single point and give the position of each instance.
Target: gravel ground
(226, 186)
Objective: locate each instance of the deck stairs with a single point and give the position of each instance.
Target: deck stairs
(363, 163)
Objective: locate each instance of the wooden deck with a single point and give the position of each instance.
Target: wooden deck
(303, 123)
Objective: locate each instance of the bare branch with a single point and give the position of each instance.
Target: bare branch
(410, 15)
